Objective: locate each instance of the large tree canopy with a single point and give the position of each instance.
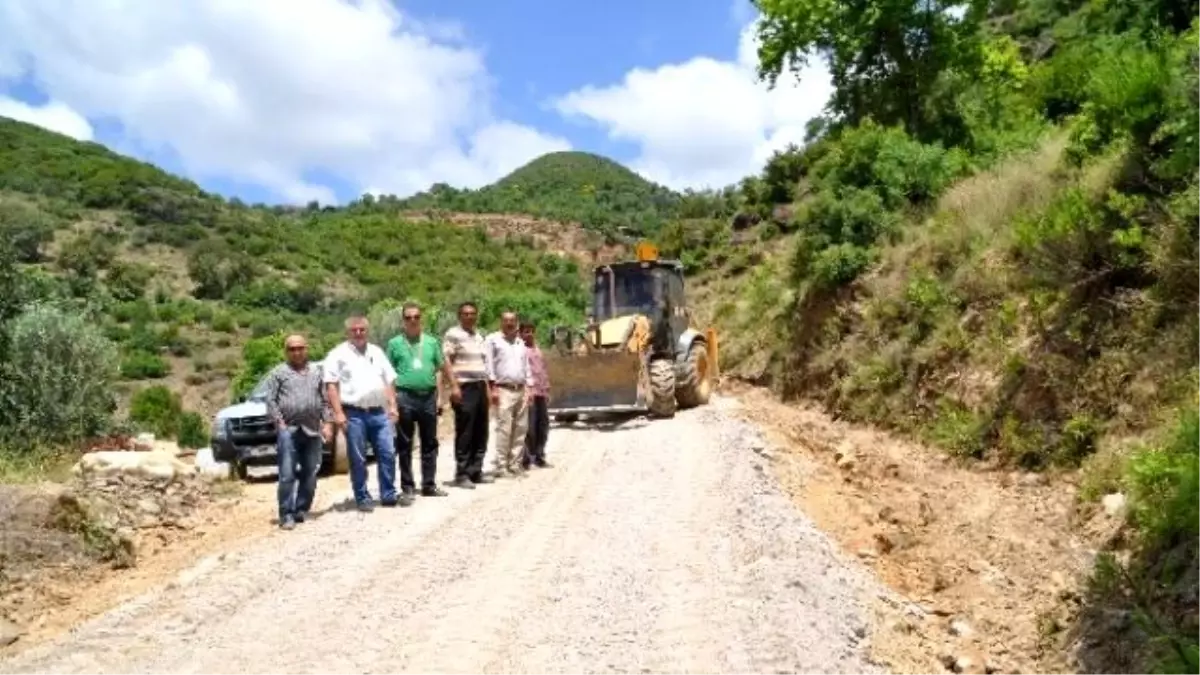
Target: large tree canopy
(885, 55)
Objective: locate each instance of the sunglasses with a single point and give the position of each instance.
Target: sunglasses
(294, 348)
(412, 317)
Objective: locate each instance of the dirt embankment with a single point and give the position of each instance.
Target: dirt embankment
(994, 562)
(569, 240)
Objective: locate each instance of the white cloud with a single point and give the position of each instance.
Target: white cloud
(271, 91)
(53, 116)
(704, 122)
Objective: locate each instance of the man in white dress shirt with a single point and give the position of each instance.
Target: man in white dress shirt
(512, 389)
(358, 380)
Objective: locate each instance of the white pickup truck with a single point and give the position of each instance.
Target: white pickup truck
(243, 436)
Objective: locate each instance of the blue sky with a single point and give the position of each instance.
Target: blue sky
(290, 100)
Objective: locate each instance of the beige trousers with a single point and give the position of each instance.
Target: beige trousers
(511, 422)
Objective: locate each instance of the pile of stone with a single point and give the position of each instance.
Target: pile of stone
(118, 494)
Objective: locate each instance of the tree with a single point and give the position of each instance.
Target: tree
(885, 56)
(57, 380)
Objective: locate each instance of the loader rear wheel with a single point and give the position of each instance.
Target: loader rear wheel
(662, 388)
(695, 378)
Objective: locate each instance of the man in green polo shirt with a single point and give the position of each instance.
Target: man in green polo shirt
(417, 358)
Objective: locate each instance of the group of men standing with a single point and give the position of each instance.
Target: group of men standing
(385, 396)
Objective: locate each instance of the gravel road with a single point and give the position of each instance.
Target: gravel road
(657, 546)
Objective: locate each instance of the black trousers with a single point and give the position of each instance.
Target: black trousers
(471, 431)
(538, 433)
(418, 412)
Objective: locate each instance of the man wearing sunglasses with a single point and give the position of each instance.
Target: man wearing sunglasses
(296, 402)
(418, 360)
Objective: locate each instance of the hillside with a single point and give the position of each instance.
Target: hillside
(181, 285)
(571, 187)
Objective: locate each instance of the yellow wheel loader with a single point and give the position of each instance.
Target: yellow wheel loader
(639, 352)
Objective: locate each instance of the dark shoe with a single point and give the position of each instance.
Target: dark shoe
(543, 465)
(433, 491)
(366, 507)
(411, 492)
(462, 483)
(482, 480)
(405, 499)
(300, 516)
(287, 523)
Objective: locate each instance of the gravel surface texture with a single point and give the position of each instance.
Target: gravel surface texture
(650, 546)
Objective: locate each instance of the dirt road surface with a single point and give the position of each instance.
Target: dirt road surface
(659, 546)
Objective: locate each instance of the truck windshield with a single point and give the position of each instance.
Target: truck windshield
(631, 292)
(260, 391)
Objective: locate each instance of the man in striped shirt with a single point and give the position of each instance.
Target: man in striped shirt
(463, 348)
(297, 404)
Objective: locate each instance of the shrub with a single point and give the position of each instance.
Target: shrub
(156, 409)
(57, 382)
(261, 354)
(141, 365)
(193, 432)
(1165, 486)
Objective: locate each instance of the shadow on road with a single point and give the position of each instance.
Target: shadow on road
(609, 422)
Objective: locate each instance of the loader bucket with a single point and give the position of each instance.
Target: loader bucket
(594, 382)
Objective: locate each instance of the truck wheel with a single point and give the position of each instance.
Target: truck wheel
(695, 377)
(662, 388)
(238, 468)
(338, 459)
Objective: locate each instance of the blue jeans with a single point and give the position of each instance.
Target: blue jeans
(295, 449)
(362, 426)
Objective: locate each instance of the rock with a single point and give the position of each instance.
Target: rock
(892, 541)
(157, 465)
(9, 633)
(969, 662)
(149, 507)
(960, 628)
(1114, 504)
(844, 456)
(144, 442)
(1032, 479)
(208, 467)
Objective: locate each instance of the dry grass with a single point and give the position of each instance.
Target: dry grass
(974, 215)
(747, 309)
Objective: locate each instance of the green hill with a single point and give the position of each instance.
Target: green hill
(177, 281)
(574, 187)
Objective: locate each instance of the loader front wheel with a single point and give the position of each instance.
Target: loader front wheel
(662, 388)
(695, 377)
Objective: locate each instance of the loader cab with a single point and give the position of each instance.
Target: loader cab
(648, 285)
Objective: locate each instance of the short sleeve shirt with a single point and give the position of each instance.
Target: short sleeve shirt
(362, 377)
(466, 354)
(416, 365)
